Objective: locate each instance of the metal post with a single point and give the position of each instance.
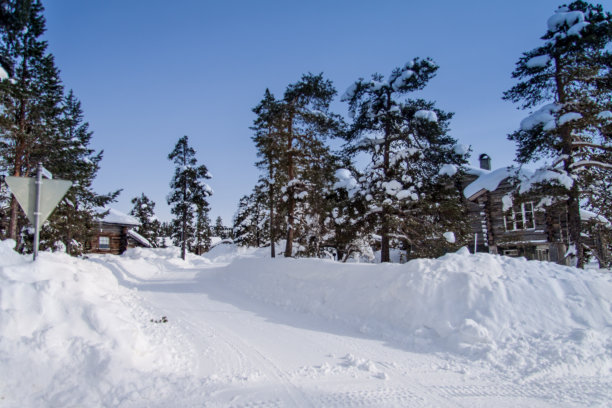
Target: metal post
(38, 183)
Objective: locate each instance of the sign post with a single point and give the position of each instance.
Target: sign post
(38, 198)
(37, 208)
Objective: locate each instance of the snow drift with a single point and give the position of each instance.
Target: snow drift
(519, 315)
(69, 332)
(76, 332)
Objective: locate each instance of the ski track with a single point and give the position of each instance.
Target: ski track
(247, 356)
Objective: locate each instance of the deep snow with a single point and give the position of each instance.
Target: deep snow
(243, 330)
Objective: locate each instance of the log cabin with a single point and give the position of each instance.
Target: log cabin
(115, 233)
(527, 229)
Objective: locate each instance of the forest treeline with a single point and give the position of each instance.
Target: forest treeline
(396, 182)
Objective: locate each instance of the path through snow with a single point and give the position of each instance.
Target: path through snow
(243, 331)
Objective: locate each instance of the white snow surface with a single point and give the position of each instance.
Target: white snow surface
(139, 238)
(244, 330)
(448, 170)
(3, 74)
(449, 236)
(117, 217)
(569, 18)
(567, 117)
(538, 61)
(427, 115)
(544, 116)
(527, 178)
(605, 115)
(489, 180)
(345, 180)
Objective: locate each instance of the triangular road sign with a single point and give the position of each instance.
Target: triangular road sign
(24, 189)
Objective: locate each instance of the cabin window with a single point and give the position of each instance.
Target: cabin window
(511, 252)
(520, 218)
(104, 243)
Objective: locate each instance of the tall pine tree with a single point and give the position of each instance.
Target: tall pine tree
(188, 196)
(268, 129)
(569, 80)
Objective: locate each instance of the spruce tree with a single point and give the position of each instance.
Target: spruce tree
(568, 80)
(144, 211)
(71, 158)
(408, 184)
(251, 219)
(188, 195)
(30, 99)
(219, 229)
(202, 230)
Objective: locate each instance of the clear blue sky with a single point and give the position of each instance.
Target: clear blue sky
(149, 72)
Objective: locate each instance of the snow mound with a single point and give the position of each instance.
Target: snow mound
(516, 314)
(67, 324)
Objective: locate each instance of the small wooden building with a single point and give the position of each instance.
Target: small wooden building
(114, 234)
(527, 229)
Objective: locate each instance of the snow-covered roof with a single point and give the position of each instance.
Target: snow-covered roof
(139, 238)
(488, 180)
(475, 171)
(117, 217)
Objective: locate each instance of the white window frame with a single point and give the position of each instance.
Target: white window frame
(104, 245)
(517, 218)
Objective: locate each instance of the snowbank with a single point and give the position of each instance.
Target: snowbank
(69, 331)
(516, 314)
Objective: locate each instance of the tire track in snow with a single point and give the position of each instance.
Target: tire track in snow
(248, 361)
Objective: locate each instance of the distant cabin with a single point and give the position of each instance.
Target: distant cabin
(115, 233)
(526, 229)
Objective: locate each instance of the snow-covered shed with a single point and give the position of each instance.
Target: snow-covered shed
(114, 233)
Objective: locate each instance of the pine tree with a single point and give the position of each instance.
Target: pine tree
(408, 184)
(144, 211)
(70, 158)
(202, 231)
(290, 137)
(268, 128)
(571, 75)
(307, 123)
(188, 194)
(32, 97)
(251, 219)
(219, 229)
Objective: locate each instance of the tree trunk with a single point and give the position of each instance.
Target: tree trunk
(575, 227)
(290, 192)
(573, 202)
(384, 235)
(272, 237)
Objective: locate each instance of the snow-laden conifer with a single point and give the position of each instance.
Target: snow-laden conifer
(188, 197)
(144, 211)
(408, 185)
(566, 83)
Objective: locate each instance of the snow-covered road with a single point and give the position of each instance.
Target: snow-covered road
(246, 331)
(249, 354)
